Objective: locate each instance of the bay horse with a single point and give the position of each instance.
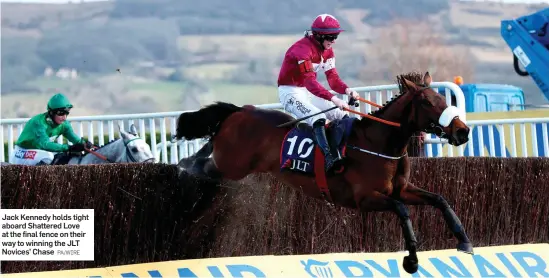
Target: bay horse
(376, 170)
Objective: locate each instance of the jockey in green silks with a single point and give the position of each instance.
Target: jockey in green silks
(36, 144)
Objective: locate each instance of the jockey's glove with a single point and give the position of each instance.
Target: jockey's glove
(339, 102)
(352, 93)
(75, 148)
(88, 144)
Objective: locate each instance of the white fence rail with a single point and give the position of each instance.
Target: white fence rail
(163, 125)
(521, 137)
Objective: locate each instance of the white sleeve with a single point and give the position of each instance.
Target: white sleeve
(329, 64)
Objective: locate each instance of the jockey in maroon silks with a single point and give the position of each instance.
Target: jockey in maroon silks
(298, 90)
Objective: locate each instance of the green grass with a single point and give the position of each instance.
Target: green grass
(242, 93)
(55, 83)
(214, 71)
(159, 86)
(167, 95)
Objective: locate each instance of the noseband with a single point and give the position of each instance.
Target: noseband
(434, 127)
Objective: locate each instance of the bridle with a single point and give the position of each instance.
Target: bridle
(434, 126)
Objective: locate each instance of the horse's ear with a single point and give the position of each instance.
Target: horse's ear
(410, 84)
(133, 130)
(124, 134)
(427, 79)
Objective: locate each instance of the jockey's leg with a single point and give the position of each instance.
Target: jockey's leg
(331, 115)
(30, 156)
(297, 101)
(319, 131)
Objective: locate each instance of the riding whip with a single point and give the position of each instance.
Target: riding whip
(352, 102)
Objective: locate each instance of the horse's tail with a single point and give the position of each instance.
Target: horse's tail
(204, 122)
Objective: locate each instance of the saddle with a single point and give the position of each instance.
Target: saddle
(62, 158)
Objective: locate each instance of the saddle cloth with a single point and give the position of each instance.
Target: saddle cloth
(299, 151)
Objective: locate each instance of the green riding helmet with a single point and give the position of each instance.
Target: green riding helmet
(59, 101)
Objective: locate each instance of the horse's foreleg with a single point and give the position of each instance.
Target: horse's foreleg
(211, 170)
(204, 167)
(413, 195)
(410, 263)
(382, 202)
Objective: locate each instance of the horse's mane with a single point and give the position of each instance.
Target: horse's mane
(413, 76)
(108, 143)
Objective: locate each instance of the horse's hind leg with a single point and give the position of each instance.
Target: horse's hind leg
(413, 195)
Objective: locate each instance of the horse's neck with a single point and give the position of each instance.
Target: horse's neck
(111, 151)
(392, 140)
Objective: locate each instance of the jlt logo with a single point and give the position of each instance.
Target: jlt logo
(300, 165)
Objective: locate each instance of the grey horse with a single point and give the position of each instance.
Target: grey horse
(129, 148)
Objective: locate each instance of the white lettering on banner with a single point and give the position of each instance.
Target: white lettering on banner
(304, 141)
(20, 153)
(528, 260)
(300, 165)
(47, 234)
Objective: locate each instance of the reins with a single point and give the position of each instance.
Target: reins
(352, 102)
(100, 156)
(372, 117)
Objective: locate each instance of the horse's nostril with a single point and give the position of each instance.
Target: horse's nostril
(463, 133)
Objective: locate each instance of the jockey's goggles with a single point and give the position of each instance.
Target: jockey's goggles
(330, 37)
(61, 112)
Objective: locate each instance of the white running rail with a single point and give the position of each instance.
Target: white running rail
(165, 123)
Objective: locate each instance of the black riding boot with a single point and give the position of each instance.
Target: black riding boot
(45, 161)
(319, 132)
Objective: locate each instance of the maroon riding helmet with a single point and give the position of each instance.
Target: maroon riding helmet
(325, 27)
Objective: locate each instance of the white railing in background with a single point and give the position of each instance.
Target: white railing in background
(534, 143)
(504, 138)
(150, 123)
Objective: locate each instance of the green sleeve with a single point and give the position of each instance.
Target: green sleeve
(43, 141)
(68, 132)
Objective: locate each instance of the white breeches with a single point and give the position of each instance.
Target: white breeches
(29, 156)
(299, 102)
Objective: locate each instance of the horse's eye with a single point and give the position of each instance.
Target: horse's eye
(134, 149)
(426, 102)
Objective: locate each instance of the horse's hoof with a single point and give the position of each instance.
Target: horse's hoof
(465, 247)
(410, 264)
